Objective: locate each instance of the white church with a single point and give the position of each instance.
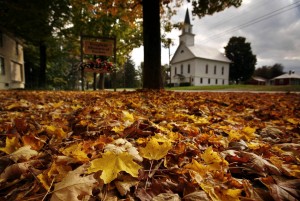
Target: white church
(197, 65)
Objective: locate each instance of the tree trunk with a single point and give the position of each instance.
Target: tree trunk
(43, 63)
(152, 45)
(101, 81)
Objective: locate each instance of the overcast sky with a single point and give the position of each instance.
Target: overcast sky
(271, 26)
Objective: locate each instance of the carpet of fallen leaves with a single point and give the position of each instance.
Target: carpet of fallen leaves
(149, 145)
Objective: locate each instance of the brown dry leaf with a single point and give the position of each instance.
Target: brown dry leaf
(259, 164)
(34, 142)
(282, 189)
(74, 186)
(166, 197)
(23, 153)
(195, 196)
(125, 183)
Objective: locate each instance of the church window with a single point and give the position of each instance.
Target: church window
(189, 68)
(216, 81)
(208, 80)
(175, 71)
(206, 69)
(201, 80)
(181, 69)
(222, 70)
(215, 70)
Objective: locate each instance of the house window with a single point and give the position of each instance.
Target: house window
(1, 39)
(216, 81)
(215, 70)
(181, 69)
(17, 48)
(222, 70)
(201, 80)
(2, 66)
(16, 72)
(208, 80)
(189, 68)
(206, 68)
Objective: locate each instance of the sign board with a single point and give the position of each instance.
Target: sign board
(98, 48)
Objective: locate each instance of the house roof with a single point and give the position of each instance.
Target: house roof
(204, 52)
(287, 76)
(259, 79)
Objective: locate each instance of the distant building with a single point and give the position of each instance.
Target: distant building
(256, 81)
(197, 65)
(12, 75)
(290, 78)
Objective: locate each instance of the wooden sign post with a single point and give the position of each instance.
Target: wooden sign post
(97, 46)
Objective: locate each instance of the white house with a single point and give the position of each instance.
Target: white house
(290, 78)
(12, 72)
(197, 65)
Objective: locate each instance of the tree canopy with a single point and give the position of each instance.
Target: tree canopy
(41, 21)
(243, 60)
(269, 72)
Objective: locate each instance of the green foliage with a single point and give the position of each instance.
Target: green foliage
(243, 60)
(269, 72)
(209, 7)
(127, 77)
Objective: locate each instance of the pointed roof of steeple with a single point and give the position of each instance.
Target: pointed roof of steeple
(187, 17)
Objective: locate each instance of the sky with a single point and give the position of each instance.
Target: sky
(272, 27)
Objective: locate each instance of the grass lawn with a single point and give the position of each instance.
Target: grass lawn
(286, 88)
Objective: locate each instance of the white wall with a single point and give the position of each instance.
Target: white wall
(12, 52)
(198, 75)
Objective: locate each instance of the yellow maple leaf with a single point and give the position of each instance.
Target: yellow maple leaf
(111, 164)
(213, 160)
(11, 145)
(58, 132)
(234, 135)
(293, 121)
(156, 148)
(127, 116)
(249, 133)
(221, 194)
(198, 167)
(210, 156)
(75, 151)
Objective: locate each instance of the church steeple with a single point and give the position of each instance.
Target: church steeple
(187, 36)
(187, 17)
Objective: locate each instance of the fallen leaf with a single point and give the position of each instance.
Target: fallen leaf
(282, 189)
(111, 164)
(23, 153)
(11, 145)
(156, 148)
(74, 185)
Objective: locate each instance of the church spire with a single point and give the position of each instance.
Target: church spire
(187, 35)
(187, 17)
